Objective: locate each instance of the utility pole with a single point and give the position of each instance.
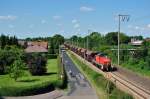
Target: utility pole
(87, 42)
(72, 41)
(121, 18)
(78, 36)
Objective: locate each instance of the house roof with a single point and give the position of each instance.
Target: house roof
(35, 48)
(38, 43)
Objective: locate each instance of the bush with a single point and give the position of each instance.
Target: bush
(7, 56)
(2, 69)
(16, 69)
(37, 64)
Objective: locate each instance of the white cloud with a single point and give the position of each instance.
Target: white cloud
(86, 9)
(57, 17)
(8, 17)
(43, 21)
(74, 21)
(137, 27)
(11, 26)
(76, 25)
(148, 25)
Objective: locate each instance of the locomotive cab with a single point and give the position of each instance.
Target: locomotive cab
(103, 62)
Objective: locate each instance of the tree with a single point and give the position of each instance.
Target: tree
(55, 42)
(37, 64)
(137, 37)
(95, 40)
(112, 38)
(16, 69)
(8, 55)
(6, 40)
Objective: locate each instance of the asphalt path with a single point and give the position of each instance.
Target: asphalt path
(79, 87)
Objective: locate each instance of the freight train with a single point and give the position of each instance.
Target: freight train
(98, 59)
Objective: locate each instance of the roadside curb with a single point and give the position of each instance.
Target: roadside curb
(51, 95)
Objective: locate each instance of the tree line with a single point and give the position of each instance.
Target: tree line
(8, 40)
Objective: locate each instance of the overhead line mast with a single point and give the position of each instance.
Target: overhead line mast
(122, 18)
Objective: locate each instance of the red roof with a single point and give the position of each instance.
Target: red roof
(36, 48)
(38, 43)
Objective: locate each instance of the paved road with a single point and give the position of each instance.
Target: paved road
(79, 86)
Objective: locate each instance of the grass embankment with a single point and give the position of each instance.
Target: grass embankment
(29, 85)
(104, 88)
(137, 69)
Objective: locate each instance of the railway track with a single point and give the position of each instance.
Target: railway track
(141, 92)
(121, 81)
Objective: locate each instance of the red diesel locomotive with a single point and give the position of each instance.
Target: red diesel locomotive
(102, 61)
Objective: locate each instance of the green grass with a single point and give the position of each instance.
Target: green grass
(99, 82)
(28, 85)
(137, 69)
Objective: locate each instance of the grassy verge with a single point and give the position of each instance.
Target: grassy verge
(104, 88)
(137, 69)
(29, 85)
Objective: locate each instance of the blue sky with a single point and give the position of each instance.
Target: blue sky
(34, 18)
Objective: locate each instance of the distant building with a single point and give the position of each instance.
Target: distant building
(147, 39)
(37, 47)
(136, 42)
(23, 43)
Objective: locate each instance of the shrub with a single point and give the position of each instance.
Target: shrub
(37, 64)
(16, 69)
(7, 56)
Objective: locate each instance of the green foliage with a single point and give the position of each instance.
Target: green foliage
(6, 40)
(31, 85)
(37, 64)
(8, 55)
(137, 37)
(16, 69)
(112, 38)
(54, 43)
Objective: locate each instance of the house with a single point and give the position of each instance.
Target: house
(136, 42)
(36, 47)
(147, 39)
(22, 43)
(39, 43)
